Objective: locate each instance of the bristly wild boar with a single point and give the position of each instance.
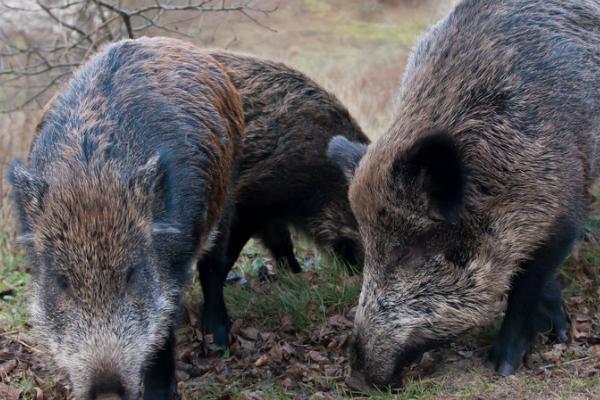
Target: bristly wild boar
(125, 181)
(284, 176)
(480, 186)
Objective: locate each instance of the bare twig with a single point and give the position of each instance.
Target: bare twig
(550, 366)
(24, 344)
(125, 16)
(37, 94)
(66, 32)
(58, 20)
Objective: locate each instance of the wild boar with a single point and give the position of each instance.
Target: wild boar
(284, 177)
(481, 184)
(128, 176)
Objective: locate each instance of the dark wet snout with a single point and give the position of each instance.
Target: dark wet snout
(107, 387)
(357, 381)
(366, 375)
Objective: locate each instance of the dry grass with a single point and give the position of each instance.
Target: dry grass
(15, 139)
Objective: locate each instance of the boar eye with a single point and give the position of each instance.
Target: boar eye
(401, 253)
(62, 282)
(406, 253)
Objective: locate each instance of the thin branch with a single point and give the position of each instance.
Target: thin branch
(550, 366)
(35, 10)
(37, 63)
(58, 20)
(125, 16)
(36, 96)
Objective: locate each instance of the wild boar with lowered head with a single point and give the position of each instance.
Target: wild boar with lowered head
(126, 180)
(284, 177)
(481, 184)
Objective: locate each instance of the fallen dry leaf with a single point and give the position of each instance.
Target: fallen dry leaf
(318, 357)
(339, 321)
(555, 354)
(253, 395)
(262, 361)
(276, 353)
(245, 345)
(249, 333)
(286, 325)
(308, 275)
(236, 326)
(9, 393)
(287, 383)
(321, 396)
(287, 351)
(6, 368)
(582, 318)
(582, 330)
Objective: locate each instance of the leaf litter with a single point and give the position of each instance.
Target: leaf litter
(287, 362)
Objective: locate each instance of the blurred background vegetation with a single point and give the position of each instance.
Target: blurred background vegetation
(356, 49)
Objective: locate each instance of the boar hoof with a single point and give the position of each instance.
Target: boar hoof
(506, 369)
(217, 341)
(357, 382)
(507, 357)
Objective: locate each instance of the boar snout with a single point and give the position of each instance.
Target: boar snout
(108, 387)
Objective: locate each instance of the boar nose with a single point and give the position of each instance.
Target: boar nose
(357, 352)
(108, 387)
(357, 381)
(111, 396)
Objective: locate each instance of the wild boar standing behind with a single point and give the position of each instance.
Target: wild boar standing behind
(284, 177)
(480, 186)
(126, 180)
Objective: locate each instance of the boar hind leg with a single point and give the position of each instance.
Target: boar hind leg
(552, 318)
(527, 297)
(159, 379)
(277, 239)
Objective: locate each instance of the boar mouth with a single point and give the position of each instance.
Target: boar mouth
(394, 382)
(360, 383)
(412, 355)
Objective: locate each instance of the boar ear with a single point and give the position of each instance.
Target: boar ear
(435, 165)
(346, 154)
(154, 180)
(28, 192)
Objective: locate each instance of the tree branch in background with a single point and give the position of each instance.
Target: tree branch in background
(42, 41)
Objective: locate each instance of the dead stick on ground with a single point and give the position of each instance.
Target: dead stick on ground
(30, 347)
(550, 366)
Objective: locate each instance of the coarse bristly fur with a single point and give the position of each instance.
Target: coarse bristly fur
(284, 178)
(127, 177)
(284, 174)
(480, 185)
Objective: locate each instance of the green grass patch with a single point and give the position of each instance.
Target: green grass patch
(404, 34)
(318, 7)
(413, 389)
(304, 299)
(236, 392)
(14, 281)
